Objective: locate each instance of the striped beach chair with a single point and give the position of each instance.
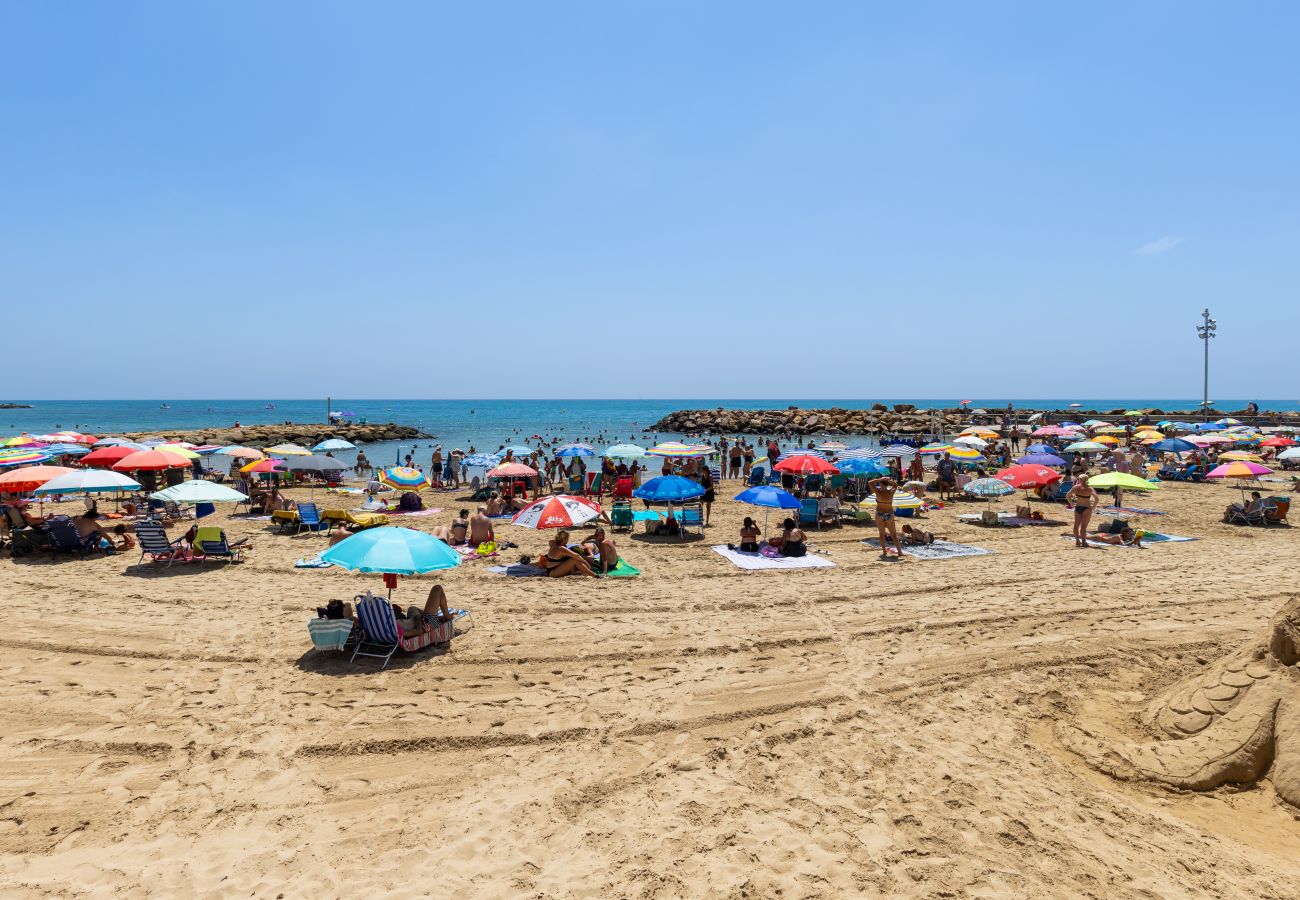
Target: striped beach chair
(155, 544)
(381, 636)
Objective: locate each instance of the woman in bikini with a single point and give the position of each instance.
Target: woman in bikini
(559, 560)
(749, 535)
(884, 489)
(1084, 498)
(793, 541)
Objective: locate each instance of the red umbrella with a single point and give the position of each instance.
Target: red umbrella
(106, 457)
(264, 466)
(150, 461)
(29, 478)
(512, 470)
(1277, 442)
(1028, 476)
(804, 464)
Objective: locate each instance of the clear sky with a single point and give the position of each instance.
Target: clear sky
(675, 199)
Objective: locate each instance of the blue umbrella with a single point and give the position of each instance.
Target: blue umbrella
(1211, 426)
(1174, 445)
(576, 450)
(769, 496)
(65, 450)
(1041, 459)
(334, 444)
(397, 551)
(861, 466)
(1040, 448)
(668, 489)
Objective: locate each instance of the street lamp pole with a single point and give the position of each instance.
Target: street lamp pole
(1206, 331)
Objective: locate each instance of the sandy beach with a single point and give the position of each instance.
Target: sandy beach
(872, 728)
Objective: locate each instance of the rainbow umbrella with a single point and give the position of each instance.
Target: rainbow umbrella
(1238, 469)
(676, 449)
(403, 477)
(288, 450)
(21, 456)
(902, 500)
(22, 440)
(935, 449)
(967, 455)
(263, 466)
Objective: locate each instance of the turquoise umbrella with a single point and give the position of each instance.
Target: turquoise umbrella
(395, 551)
(334, 444)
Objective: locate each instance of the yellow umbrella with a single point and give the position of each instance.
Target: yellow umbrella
(1242, 456)
(985, 433)
(178, 450)
(1106, 439)
(1148, 433)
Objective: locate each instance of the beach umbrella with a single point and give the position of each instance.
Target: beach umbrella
(1234, 469)
(859, 453)
(1085, 447)
(805, 464)
(238, 452)
(107, 456)
(1210, 426)
(898, 451)
(149, 461)
(263, 466)
(980, 432)
(1241, 456)
(319, 464)
(88, 481)
(512, 470)
(205, 449)
(29, 478)
(65, 450)
(1122, 480)
(22, 456)
(576, 450)
(677, 449)
(481, 461)
(1028, 476)
(1228, 420)
(856, 466)
(517, 450)
(988, 488)
(1106, 439)
(626, 451)
(403, 477)
(1040, 448)
(392, 551)
(1292, 453)
(559, 511)
(334, 444)
(22, 440)
(669, 489)
(1173, 445)
(179, 450)
(832, 446)
(288, 450)
(115, 442)
(769, 497)
(902, 500)
(966, 455)
(1278, 442)
(970, 440)
(1042, 459)
(199, 492)
(935, 449)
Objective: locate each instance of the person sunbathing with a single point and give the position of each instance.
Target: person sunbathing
(792, 541)
(416, 621)
(916, 537)
(495, 505)
(339, 534)
(602, 548)
(480, 529)
(1126, 538)
(88, 528)
(559, 560)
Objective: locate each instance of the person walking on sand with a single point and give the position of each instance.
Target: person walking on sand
(884, 489)
(1084, 498)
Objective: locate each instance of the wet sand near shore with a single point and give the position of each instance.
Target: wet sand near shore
(877, 727)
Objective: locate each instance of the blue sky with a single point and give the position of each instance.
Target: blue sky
(648, 199)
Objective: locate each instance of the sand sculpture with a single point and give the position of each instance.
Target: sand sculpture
(1226, 726)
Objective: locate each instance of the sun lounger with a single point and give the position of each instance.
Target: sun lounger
(212, 544)
(64, 538)
(155, 544)
(381, 636)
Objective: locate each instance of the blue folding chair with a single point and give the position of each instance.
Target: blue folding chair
(691, 516)
(309, 518)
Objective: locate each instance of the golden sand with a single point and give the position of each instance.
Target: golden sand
(875, 728)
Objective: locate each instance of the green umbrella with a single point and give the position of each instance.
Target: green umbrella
(1121, 480)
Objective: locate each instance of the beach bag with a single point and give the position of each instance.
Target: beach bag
(487, 548)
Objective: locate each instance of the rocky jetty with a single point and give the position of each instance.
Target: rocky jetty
(901, 419)
(287, 433)
(15, 406)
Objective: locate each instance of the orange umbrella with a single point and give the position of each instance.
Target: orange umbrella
(29, 478)
(151, 461)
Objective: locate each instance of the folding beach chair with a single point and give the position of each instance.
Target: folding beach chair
(381, 637)
(757, 476)
(810, 512)
(212, 544)
(64, 538)
(621, 515)
(692, 516)
(623, 488)
(155, 544)
(309, 518)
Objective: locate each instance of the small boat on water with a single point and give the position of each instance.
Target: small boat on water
(269, 406)
(164, 406)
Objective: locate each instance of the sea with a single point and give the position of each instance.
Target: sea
(483, 424)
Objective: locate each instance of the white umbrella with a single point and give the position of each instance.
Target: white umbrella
(199, 492)
(560, 511)
(971, 440)
(1290, 453)
(85, 481)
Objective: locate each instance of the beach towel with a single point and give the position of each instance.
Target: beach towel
(518, 570)
(622, 570)
(1127, 511)
(938, 550)
(1145, 542)
(503, 516)
(311, 562)
(1157, 537)
(755, 561)
(468, 552)
(329, 634)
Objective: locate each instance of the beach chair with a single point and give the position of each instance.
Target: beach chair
(1277, 509)
(621, 515)
(309, 518)
(691, 515)
(64, 538)
(623, 488)
(810, 512)
(757, 476)
(594, 488)
(155, 544)
(716, 472)
(212, 543)
(381, 637)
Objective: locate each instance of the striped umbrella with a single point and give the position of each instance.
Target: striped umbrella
(65, 450)
(677, 449)
(859, 453)
(560, 511)
(403, 477)
(935, 449)
(512, 470)
(288, 450)
(988, 487)
(967, 455)
(576, 450)
(902, 500)
(21, 456)
(898, 451)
